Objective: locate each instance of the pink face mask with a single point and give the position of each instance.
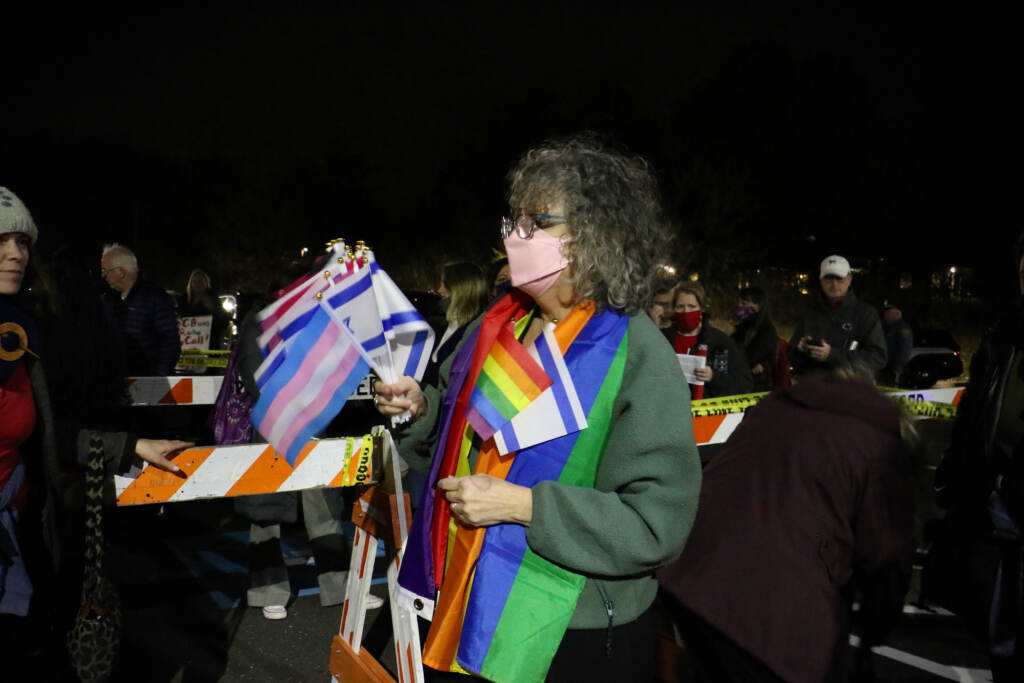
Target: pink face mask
(535, 263)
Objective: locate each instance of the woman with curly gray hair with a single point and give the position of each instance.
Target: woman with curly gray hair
(565, 471)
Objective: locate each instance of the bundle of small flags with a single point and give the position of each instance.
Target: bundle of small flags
(323, 335)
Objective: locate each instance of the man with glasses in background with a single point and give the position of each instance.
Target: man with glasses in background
(142, 313)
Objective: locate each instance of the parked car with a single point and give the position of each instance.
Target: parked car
(935, 357)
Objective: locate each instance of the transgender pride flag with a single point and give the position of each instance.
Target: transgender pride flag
(305, 393)
(322, 336)
(289, 314)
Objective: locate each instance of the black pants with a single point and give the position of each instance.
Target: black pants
(583, 656)
(716, 658)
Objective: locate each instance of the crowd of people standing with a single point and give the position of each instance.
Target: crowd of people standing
(550, 558)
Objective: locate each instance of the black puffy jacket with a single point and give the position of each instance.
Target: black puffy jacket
(149, 329)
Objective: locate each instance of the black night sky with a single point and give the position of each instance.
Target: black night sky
(226, 136)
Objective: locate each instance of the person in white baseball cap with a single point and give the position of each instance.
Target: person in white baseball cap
(839, 329)
(835, 265)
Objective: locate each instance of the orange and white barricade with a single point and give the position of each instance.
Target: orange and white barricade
(381, 514)
(193, 390)
(226, 471)
(174, 391)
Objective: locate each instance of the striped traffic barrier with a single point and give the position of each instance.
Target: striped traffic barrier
(381, 514)
(227, 471)
(185, 390)
(188, 390)
(353, 611)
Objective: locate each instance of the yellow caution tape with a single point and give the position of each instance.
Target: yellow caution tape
(941, 411)
(201, 358)
(724, 405)
(739, 403)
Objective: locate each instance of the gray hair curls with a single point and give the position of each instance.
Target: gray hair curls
(613, 209)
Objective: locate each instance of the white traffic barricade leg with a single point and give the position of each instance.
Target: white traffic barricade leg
(353, 614)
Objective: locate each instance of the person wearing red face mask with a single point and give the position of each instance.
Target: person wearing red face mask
(726, 372)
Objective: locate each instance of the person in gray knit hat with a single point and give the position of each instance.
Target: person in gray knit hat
(17, 234)
(45, 429)
(14, 216)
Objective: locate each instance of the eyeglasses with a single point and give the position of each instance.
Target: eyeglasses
(526, 223)
(104, 271)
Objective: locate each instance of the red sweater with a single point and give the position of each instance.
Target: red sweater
(19, 410)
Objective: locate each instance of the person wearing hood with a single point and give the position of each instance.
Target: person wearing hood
(726, 372)
(756, 335)
(840, 330)
(811, 497)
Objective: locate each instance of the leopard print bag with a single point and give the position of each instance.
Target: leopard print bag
(96, 634)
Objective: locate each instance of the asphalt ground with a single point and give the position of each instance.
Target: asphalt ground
(182, 572)
(183, 589)
(182, 577)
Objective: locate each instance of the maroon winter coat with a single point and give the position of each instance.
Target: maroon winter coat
(814, 485)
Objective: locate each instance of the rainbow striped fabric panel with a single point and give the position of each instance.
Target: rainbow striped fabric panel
(520, 603)
(508, 382)
(555, 413)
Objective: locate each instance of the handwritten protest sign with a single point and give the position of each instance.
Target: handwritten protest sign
(194, 332)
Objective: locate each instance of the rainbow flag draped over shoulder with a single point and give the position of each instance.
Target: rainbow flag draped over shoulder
(502, 610)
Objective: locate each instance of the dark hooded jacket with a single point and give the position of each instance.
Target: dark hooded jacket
(758, 339)
(812, 491)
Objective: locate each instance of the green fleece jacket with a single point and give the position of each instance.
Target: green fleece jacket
(640, 511)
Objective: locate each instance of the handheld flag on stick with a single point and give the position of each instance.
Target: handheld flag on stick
(310, 388)
(323, 336)
(290, 313)
(409, 335)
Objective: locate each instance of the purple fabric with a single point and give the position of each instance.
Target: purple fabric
(230, 419)
(15, 585)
